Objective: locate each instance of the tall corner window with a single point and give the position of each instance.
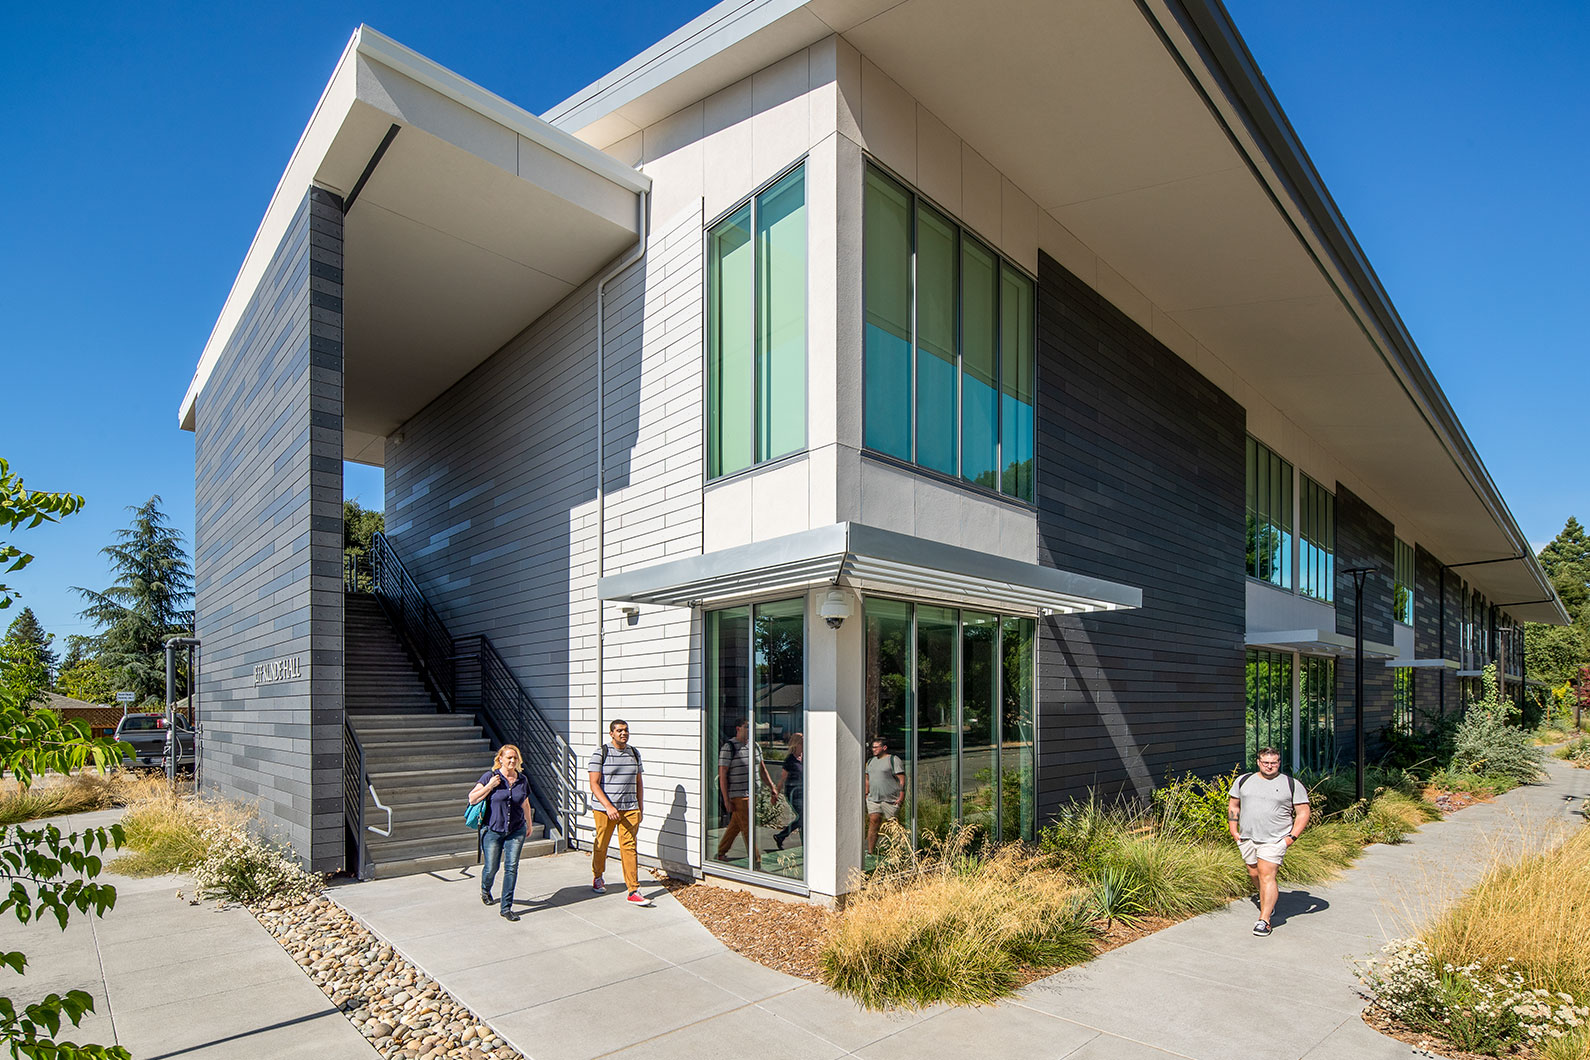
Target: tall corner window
(1269, 516)
(756, 329)
(950, 345)
(1316, 572)
(1402, 700)
(1402, 585)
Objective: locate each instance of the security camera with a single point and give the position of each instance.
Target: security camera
(835, 608)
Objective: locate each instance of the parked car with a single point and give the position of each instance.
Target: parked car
(148, 735)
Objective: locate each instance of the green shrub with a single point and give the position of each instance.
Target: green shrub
(1487, 786)
(1116, 894)
(1391, 816)
(1488, 746)
(1172, 876)
(1193, 807)
(1079, 839)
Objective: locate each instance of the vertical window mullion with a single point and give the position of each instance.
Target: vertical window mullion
(914, 342)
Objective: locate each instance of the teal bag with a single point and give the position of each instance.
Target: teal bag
(475, 815)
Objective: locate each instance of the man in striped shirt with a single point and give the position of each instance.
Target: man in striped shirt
(618, 795)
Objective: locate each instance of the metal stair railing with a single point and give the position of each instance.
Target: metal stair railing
(552, 765)
(355, 778)
(416, 622)
(505, 710)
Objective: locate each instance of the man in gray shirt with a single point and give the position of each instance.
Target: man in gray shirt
(1266, 812)
(883, 782)
(617, 797)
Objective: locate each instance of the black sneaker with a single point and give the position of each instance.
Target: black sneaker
(486, 899)
(509, 914)
(1262, 928)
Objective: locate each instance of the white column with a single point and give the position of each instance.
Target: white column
(834, 720)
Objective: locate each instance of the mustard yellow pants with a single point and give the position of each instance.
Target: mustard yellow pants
(628, 827)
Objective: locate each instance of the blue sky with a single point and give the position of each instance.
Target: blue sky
(143, 143)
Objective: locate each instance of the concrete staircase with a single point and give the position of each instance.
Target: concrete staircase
(421, 760)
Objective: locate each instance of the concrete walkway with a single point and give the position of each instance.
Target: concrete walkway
(583, 976)
(174, 980)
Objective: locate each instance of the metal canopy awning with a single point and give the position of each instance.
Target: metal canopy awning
(1423, 664)
(1318, 642)
(870, 561)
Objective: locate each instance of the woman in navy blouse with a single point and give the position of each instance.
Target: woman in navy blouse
(507, 820)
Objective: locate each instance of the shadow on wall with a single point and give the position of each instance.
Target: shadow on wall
(673, 838)
(490, 498)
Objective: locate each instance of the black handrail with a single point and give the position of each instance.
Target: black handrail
(552, 765)
(503, 708)
(355, 780)
(416, 622)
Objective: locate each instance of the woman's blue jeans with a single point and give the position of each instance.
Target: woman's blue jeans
(497, 847)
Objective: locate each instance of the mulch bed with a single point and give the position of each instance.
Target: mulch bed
(1452, 801)
(788, 936)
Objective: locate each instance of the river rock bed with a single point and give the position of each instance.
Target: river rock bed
(400, 1010)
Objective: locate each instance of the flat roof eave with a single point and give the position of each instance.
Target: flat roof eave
(413, 138)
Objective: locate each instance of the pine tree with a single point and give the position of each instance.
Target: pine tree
(25, 629)
(147, 603)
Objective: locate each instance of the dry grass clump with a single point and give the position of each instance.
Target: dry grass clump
(85, 792)
(947, 925)
(1535, 910)
(167, 833)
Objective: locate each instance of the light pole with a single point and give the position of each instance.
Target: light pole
(1358, 575)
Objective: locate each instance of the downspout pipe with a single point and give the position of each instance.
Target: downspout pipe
(643, 207)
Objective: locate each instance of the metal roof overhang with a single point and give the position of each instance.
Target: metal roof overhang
(1319, 642)
(1148, 132)
(873, 562)
(466, 219)
(1424, 664)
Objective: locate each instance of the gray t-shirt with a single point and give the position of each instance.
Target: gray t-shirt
(736, 757)
(883, 780)
(1267, 806)
(620, 774)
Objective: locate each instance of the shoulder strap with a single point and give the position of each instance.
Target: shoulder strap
(636, 752)
(604, 754)
(1243, 779)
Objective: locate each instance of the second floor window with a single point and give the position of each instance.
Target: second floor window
(1269, 516)
(756, 329)
(1402, 585)
(1316, 568)
(950, 373)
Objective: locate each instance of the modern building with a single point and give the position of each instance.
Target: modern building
(996, 379)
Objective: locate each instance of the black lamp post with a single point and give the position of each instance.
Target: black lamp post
(1358, 576)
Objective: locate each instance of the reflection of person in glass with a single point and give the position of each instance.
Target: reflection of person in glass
(793, 788)
(735, 759)
(884, 783)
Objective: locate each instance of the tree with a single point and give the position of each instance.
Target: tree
(1555, 653)
(49, 872)
(147, 604)
(25, 629)
(19, 505)
(359, 527)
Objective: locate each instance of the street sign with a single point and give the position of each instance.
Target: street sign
(126, 697)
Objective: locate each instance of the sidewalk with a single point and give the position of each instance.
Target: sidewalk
(173, 980)
(584, 976)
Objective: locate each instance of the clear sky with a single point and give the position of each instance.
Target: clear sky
(142, 143)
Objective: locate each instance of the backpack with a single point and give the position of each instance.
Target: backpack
(1243, 779)
(633, 750)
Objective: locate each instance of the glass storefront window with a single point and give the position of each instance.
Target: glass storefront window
(1317, 713)
(1269, 714)
(951, 693)
(756, 720)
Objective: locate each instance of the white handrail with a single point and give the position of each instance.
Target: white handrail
(380, 806)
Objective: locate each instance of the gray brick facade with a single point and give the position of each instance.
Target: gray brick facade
(268, 545)
(1140, 480)
(1364, 538)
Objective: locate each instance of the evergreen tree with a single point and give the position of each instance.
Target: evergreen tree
(25, 629)
(147, 603)
(1555, 653)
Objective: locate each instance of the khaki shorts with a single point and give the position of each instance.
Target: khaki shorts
(890, 810)
(1253, 852)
